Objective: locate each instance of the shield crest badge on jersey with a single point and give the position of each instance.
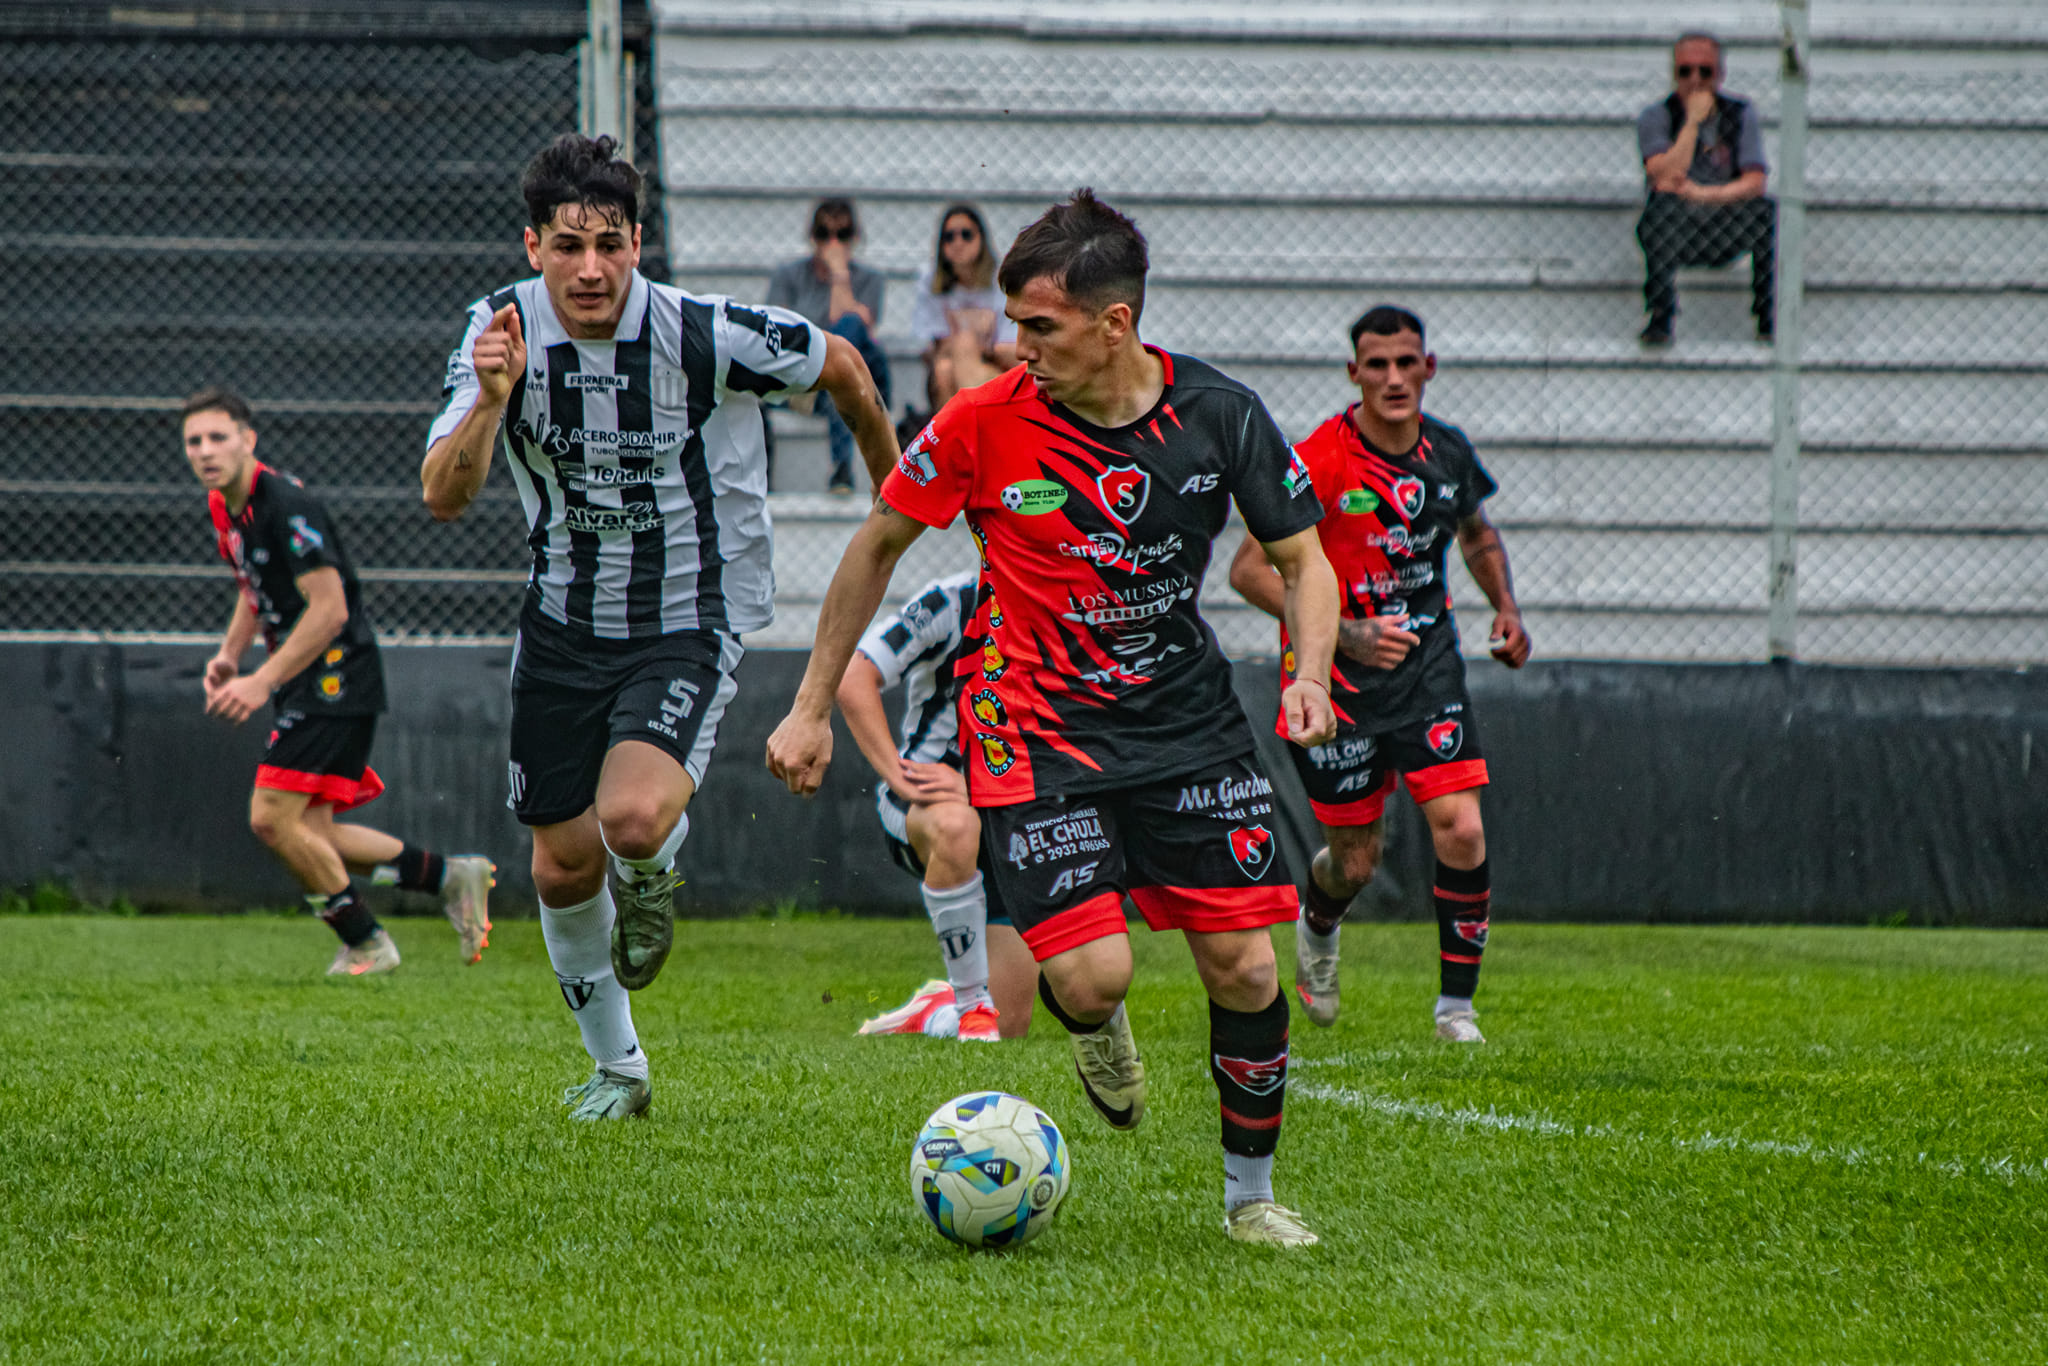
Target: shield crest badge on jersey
(1252, 847)
(1124, 489)
(1410, 493)
(1446, 738)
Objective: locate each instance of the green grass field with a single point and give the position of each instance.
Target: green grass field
(1699, 1145)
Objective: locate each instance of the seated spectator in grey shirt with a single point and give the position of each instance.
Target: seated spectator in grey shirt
(840, 295)
(1703, 153)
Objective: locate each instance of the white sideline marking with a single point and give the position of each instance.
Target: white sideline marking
(2005, 1169)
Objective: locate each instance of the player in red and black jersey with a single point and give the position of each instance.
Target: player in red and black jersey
(327, 682)
(1106, 751)
(1397, 486)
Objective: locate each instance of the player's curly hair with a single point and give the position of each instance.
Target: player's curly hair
(577, 170)
(1088, 249)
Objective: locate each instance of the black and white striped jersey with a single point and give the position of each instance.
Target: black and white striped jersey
(916, 646)
(640, 459)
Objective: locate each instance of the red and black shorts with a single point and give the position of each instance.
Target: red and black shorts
(1349, 779)
(1197, 852)
(326, 757)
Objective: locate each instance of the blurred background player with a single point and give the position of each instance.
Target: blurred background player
(632, 427)
(327, 682)
(1396, 486)
(931, 830)
(1107, 750)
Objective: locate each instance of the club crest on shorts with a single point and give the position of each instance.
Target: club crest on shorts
(1409, 493)
(997, 754)
(988, 708)
(1252, 847)
(1124, 489)
(1445, 738)
(1261, 1078)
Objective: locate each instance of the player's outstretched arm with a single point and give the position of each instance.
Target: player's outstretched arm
(1487, 557)
(800, 750)
(325, 613)
(846, 378)
(1310, 606)
(860, 702)
(453, 473)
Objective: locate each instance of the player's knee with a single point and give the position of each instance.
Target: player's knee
(1461, 840)
(635, 827)
(1356, 864)
(268, 824)
(565, 883)
(955, 828)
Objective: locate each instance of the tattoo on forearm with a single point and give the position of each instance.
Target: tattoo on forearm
(463, 459)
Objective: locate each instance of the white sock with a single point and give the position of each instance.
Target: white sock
(1246, 1178)
(579, 940)
(1453, 1005)
(960, 919)
(1320, 942)
(638, 869)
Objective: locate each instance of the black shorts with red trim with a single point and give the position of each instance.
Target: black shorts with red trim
(1349, 779)
(326, 757)
(1197, 852)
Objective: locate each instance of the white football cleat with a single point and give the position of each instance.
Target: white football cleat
(466, 898)
(1315, 975)
(912, 1016)
(1459, 1026)
(1265, 1221)
(375, 954)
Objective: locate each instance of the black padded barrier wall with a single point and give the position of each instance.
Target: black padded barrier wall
(1621, 792)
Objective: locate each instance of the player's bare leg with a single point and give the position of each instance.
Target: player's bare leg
(946, 837)
(1340, 870)
(280, 820)
(1084, 988)
(576, 916)
(643, 796)
(462, 881)
(1012, 980)
(1248, 1059)
(1463, 895)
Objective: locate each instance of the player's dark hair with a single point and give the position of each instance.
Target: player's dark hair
(215, 398)
(944, 277)
(1387, 320)
(577, 170)
(834, 206)
(1088, 249)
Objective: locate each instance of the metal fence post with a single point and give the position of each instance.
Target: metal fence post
(1791, 284)
(599, 97)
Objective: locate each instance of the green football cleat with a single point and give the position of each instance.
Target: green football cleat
(607, 1095)
(1111, 1071)
(644, 930)
(1263, 1221)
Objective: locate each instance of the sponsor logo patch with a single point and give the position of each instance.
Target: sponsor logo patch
(993, 665)
(1296, 480)
(997, 755)
(916, 465)
(1033, 497)
(1358, 501)
(988, 708)
(584, 379)
(304, 538)
(330, 686)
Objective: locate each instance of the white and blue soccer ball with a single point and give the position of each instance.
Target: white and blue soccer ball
(989, 1169)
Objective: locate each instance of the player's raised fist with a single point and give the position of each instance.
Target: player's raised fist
(499, 354)
(1311, 718)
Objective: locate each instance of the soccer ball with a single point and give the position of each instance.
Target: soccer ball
(1013, 498)
(989, 1169)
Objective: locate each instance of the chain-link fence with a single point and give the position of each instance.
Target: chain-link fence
(306, 221)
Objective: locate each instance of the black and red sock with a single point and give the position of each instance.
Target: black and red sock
(346, 915)
(419, 870)
(1463, 904)
(1322, 911)
(1248, 1059)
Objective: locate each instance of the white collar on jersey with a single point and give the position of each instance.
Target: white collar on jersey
(630, 321)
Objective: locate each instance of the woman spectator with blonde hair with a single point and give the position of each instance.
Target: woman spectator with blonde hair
(958, 316)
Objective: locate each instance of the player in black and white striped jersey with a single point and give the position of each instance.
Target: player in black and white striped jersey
(932, 832)
(632, 427)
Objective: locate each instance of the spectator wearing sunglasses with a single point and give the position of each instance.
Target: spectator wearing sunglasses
(841, 295)
(958, 318)
(1703, 152)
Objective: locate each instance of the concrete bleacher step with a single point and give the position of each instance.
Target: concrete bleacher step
(107, 440)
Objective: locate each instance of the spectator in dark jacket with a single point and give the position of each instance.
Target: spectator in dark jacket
(1703, 152)
(840, 295)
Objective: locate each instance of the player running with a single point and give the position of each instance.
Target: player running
(327, 682)
(1396, 485)
(1107, 750)
(632, 428)
(932, 832)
